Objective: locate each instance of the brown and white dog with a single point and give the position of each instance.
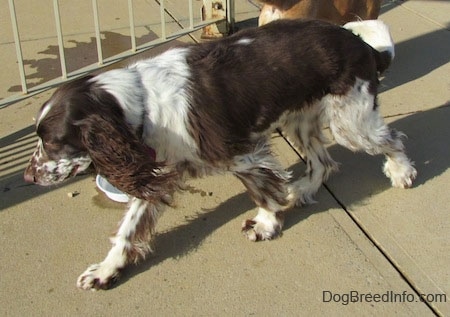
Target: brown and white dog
(211, 108)
(334, 11)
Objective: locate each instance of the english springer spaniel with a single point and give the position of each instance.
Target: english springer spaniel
(210, 108)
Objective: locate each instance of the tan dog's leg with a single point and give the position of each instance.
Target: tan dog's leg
(300, 9)
(268, 14)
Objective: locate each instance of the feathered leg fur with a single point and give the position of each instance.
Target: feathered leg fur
(130, 244)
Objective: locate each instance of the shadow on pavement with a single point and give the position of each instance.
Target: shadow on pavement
(417, 57)
(427, 144)
(360, 174)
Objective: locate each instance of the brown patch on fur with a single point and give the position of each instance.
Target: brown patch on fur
(263, 184)
(239, 87)
(120, 157)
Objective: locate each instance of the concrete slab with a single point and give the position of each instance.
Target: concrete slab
(422, 50)
(384, 241)
(435, 11)
(412, 227)
(203, 265)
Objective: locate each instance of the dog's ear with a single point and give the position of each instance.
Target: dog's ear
(127, 164)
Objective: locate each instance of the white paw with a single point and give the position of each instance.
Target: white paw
(402, 176)
(97, 276)
(265, 226)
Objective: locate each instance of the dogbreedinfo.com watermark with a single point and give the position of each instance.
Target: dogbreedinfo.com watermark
(386, 297)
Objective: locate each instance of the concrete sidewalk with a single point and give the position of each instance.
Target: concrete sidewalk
(364, 249)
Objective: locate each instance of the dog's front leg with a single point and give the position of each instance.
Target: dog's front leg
(131, 243)
(267, 183)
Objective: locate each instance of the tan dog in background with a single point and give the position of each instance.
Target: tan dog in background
(335, 11)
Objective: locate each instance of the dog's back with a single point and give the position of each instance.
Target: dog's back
(260, 73)
(301, 56)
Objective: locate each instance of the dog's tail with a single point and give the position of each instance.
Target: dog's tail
(376, 34)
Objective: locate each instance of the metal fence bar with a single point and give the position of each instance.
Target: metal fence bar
(230, 15)
(62, 57)
(15, 27)
(102, 62)
(191, 15)
(109, 61)
(132, 32)
(163, 19)
(97, 32)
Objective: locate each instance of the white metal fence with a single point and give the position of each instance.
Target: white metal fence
(166, 20)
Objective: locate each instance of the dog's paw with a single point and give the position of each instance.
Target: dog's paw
(97, 276)
(406, 180)
(264, 226)
(402, 176)
(256, 231)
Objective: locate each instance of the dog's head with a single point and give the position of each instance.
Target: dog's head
(59, 153)
(84, 123)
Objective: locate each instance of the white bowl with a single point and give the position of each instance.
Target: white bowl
(110, 191)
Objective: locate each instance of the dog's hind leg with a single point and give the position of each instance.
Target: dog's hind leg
(267, 183)
(356, 124)
(131, 243)
(303, 129)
